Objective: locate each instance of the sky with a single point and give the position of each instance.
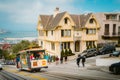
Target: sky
(22, 15)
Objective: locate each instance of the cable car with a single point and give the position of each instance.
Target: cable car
(32, 59)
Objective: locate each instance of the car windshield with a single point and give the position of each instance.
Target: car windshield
(116, 52)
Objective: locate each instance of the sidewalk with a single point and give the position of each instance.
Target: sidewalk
(89, 65)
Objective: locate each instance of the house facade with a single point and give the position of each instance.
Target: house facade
(67, 31)
(110, 27)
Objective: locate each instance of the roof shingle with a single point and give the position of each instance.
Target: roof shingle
(49, 22)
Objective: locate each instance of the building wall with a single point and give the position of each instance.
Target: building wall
(102, 19)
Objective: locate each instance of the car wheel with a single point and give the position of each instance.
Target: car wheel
(115, 71)
(110, 55)
(95, 54)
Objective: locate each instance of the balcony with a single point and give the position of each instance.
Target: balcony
(113, 33)
(114, 36)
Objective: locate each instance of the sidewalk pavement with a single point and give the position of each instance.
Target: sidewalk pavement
(89, 65)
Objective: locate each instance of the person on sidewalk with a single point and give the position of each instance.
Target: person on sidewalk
(57, 60)
(83, 60)
(61, 60)
(66, 59)
(78, 60)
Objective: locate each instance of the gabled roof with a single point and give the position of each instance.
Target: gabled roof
(54, 21)
(84, 18)
(76, 19)
(49, 22)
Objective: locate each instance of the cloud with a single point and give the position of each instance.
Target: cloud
(27, 12)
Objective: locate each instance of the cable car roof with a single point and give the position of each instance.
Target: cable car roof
(32, 50)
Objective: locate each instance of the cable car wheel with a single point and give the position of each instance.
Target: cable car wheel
(35, 70)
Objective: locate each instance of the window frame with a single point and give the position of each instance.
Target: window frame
(52, 46)
(66, 33)
(91, 31)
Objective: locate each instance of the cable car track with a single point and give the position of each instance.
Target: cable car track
(10, 76)
(65, 76)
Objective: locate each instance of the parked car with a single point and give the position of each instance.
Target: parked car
(1, 67)
(115, 68)
(8, 62)
(89, 52)
(115, 53)
(107, 49)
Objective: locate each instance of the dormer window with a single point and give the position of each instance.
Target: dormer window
(66, 20)
(91, 21)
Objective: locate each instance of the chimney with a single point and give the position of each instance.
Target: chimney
(56, 11)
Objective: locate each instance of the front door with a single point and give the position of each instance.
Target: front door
(77, 46)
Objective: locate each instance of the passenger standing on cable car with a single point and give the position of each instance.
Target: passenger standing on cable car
(31, 57)
(18, 61)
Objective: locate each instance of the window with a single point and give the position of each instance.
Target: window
(106, 29)
(66, 20)
(52, 32)
(46, 33)
(107, 17)
(41, 43)
(91, 31)
(91, 20)
(52, 46)
(65, 45)
(114, 29)
(119, 30)
(114, 17)
(111, 17)
(119, 18)
(62, 33)
(66, 33)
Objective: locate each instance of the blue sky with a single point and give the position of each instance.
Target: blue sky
(22, 15)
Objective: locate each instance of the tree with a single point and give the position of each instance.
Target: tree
(5, 54)
(1, 53)
(25, 44)
(33, 44)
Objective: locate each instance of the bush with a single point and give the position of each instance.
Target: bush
(70, 53)
(62, 53)
(66, 52)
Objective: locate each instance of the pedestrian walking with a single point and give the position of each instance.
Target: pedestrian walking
(78, 60)
(57, 60)
(66, 59)
(83, 61)
(61, 60)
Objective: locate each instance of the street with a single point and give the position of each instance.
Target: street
(67, 71)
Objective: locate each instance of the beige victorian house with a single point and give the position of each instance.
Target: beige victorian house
(63, 30)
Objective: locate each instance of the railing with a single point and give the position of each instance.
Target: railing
(106, 33)
(113, 33)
